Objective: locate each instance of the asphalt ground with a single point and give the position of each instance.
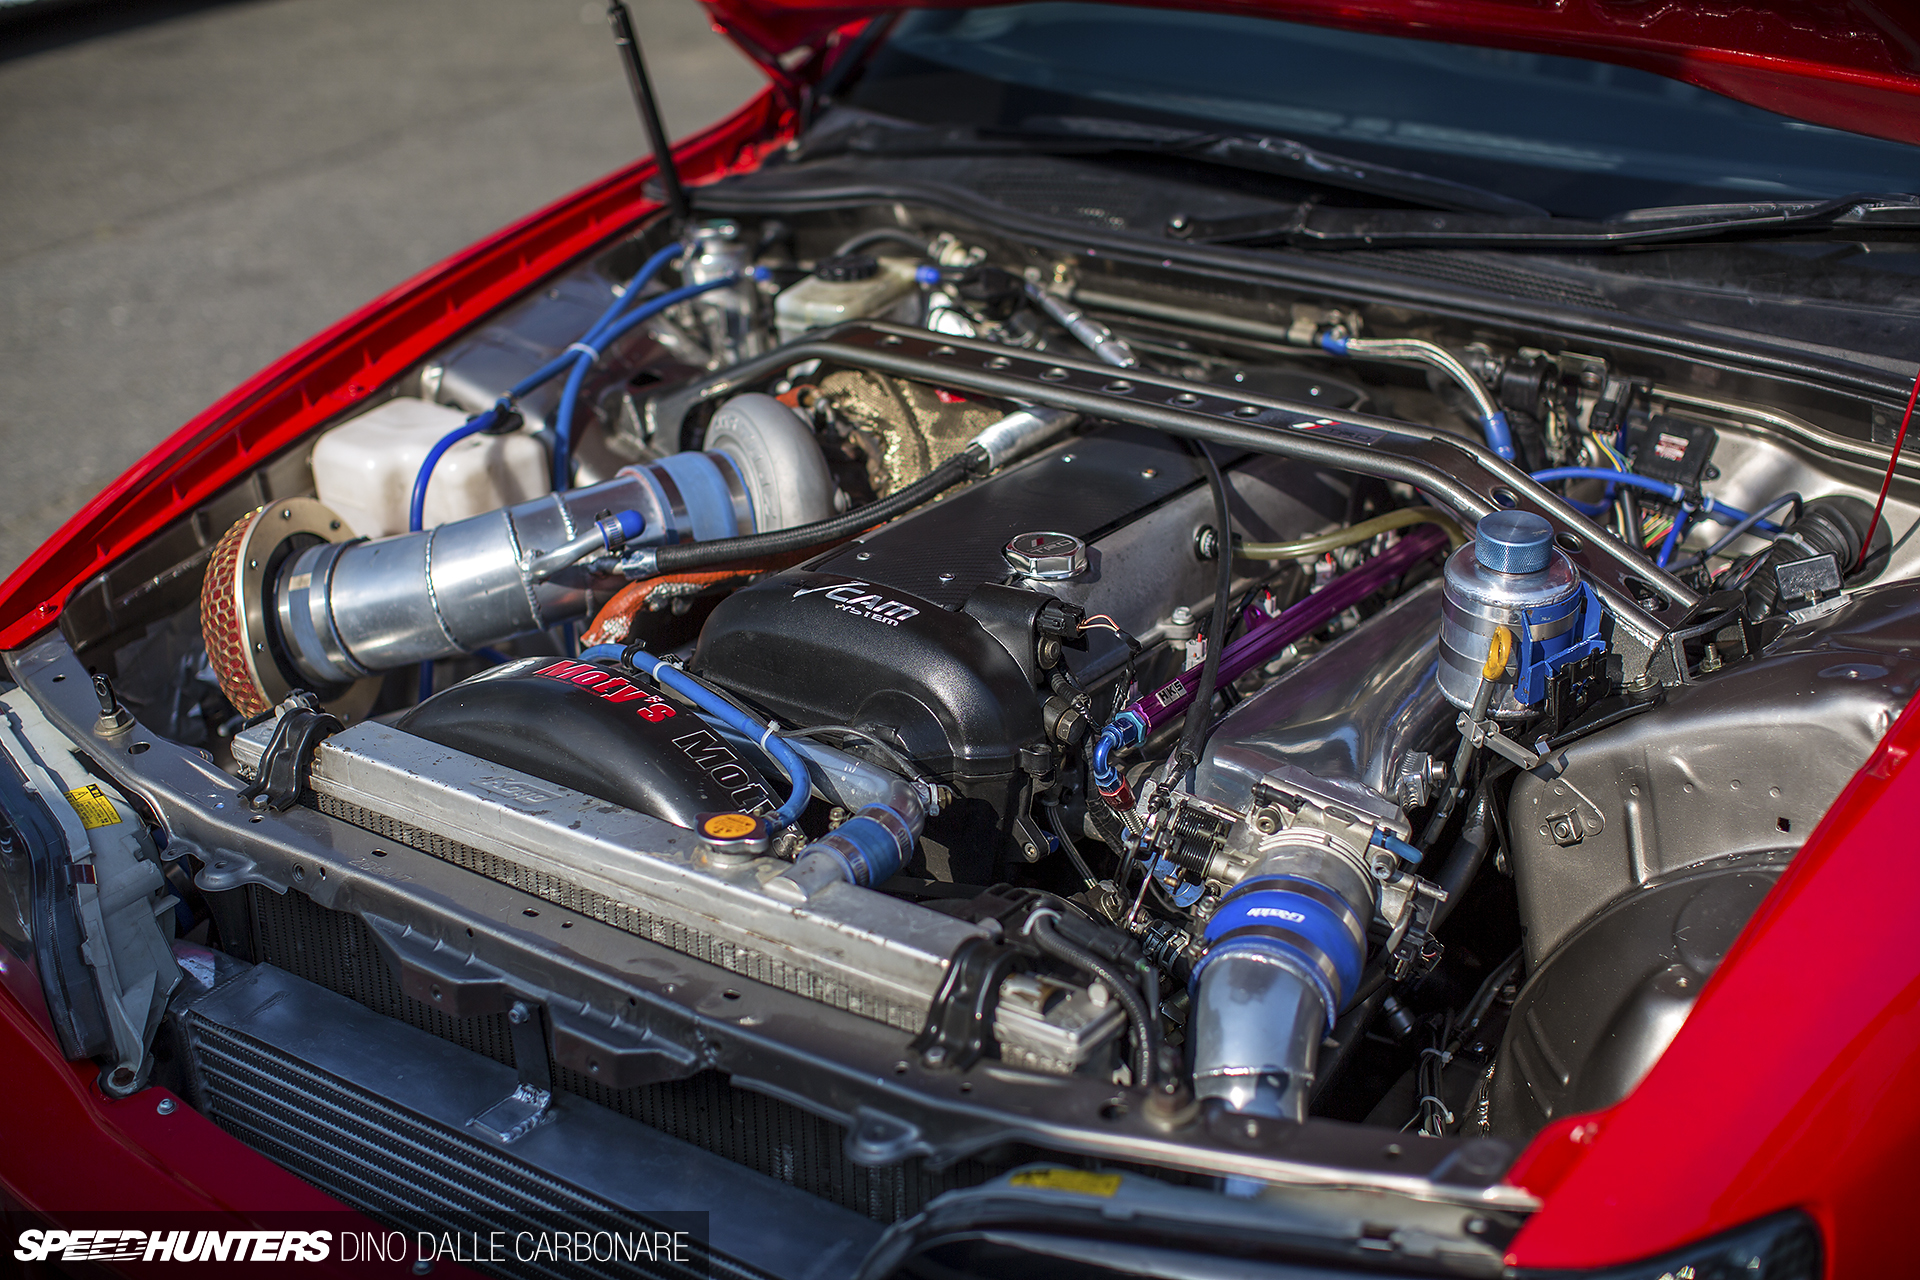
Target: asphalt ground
(188, 191)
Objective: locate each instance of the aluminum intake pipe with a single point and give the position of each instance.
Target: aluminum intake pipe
(1285, 953)
(293, 600)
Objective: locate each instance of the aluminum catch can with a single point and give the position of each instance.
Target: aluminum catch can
(1510, 576)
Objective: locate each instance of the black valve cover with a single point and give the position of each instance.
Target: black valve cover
(596, 730)
(823, 648)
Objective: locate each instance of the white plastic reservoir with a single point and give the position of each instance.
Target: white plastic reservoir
(364, 468)
(888, 293)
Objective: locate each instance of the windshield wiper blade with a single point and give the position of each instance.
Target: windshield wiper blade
(1310, 225)
(1083, 135)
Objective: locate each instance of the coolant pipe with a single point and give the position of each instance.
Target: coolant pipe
(844, 779)
(661, 672)
(1304, 617)
(853, 783)
(1492, 421)
(868, 848)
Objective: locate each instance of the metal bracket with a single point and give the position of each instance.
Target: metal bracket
(531, 1103)
(289, 754)
(1412, 950)
(957, 1025)
(1485, 733)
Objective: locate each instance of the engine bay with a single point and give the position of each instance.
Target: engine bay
(998, 700)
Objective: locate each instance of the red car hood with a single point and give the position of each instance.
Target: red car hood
(1849, 64)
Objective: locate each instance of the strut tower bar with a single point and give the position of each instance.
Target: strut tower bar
(1460, 474)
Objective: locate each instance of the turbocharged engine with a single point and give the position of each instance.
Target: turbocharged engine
(1073, 685)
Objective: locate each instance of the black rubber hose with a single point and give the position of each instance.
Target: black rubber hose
(1347, 1034)
(881, 235)
(1469, 851)
(1041, 930)
(1195, 730)
(695, 555)
(1058, 822)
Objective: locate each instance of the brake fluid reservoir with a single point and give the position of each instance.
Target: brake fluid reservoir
(364, 468)
(1510, 576)
(855, 287)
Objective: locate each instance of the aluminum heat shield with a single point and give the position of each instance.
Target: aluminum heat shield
(848, 947)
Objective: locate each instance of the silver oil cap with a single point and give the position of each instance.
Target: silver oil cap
(1050, 557)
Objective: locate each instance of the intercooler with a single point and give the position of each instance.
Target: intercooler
(335, 950)
(374, 1112)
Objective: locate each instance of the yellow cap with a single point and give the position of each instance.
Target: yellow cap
(728, 826)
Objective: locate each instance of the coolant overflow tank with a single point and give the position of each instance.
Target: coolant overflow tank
(1510, 576)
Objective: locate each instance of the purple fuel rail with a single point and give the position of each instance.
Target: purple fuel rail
(1302, 618)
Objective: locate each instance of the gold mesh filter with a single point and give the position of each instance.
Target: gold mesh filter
(233, 605)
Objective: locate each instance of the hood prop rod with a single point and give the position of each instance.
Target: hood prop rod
(629, 46)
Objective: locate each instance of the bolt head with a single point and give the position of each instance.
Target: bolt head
(167, 1107)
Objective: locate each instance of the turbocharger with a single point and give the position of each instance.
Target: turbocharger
(293, 600)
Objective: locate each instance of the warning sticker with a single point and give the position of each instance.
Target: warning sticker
(729, 826)
(1079, 1180)
(94, 808)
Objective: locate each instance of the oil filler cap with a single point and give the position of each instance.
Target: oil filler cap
(1513, 542)
(1050, 557)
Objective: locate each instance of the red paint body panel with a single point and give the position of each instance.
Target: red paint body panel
(1795, 1081)
(1850, 64)
(101, 1153)
(95, 1153)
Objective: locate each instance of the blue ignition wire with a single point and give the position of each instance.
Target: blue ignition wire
(1745, 527)
(1663, 488)
(587, 353)
(726, 713)
(484, 420)
(1681, 519)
